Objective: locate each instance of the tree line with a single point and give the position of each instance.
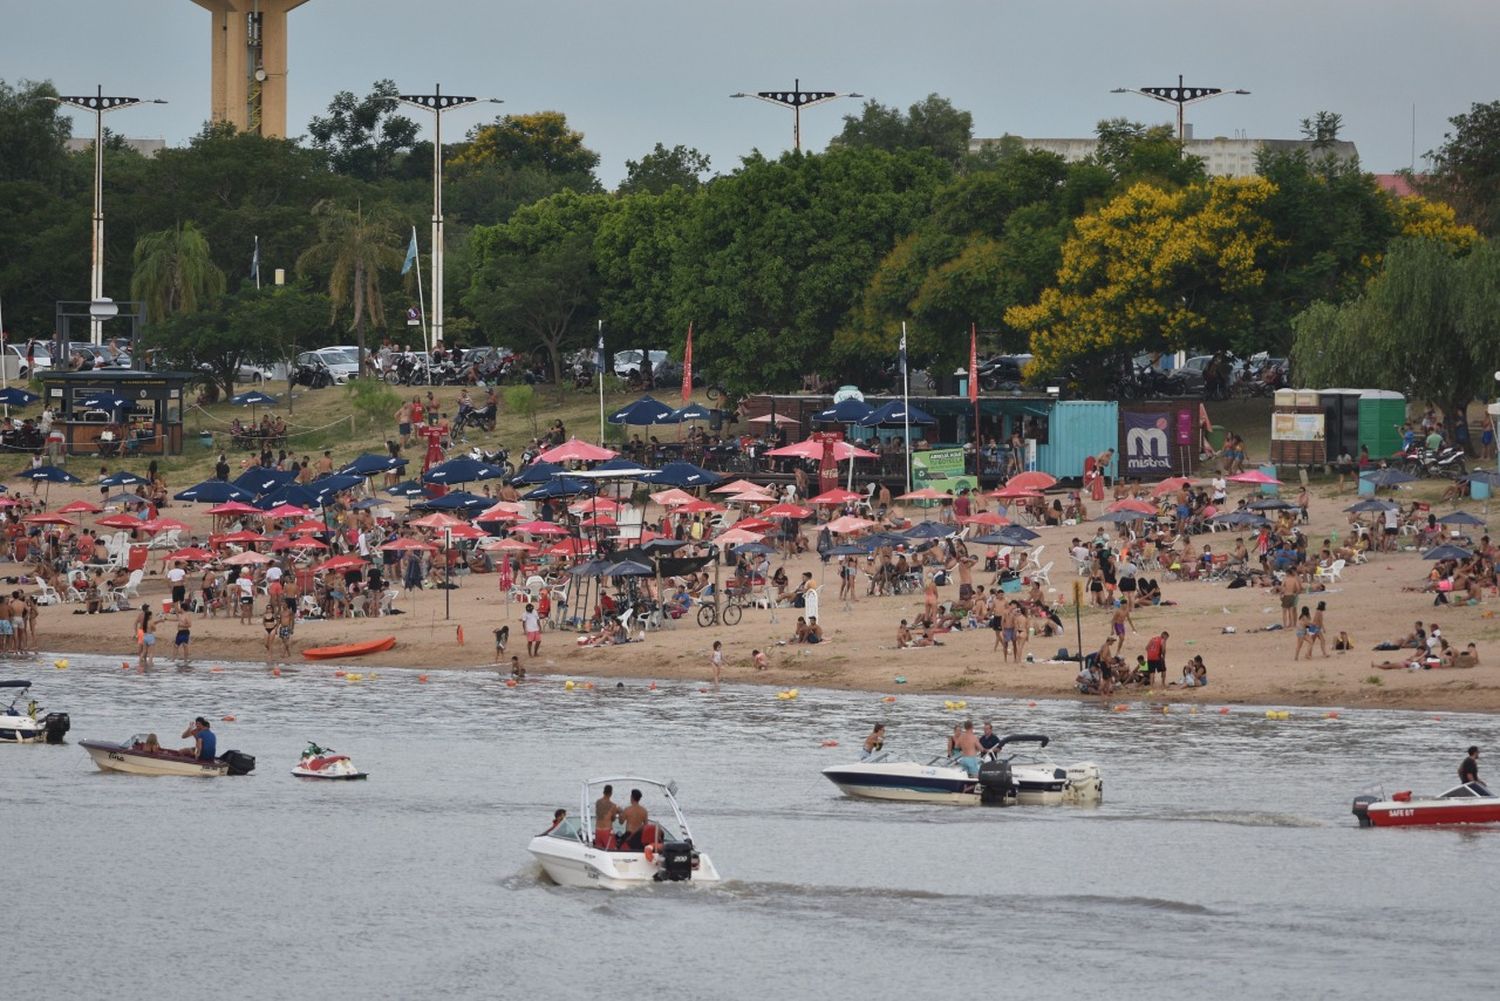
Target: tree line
(793, 269)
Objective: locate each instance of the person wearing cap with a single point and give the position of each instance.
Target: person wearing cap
(205, 741)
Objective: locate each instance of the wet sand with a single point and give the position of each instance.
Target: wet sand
(1245, 667)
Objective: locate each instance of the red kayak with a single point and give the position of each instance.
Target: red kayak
(349, 649)
(1470, 803)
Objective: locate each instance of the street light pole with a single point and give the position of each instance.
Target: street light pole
(98, 104)
(797, 99)
(437, 102)
(1180, 96)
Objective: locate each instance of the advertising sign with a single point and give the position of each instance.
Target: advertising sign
(941, 469)
(1297, 427)
(1148, 447)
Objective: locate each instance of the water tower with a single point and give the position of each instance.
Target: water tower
(249, 63)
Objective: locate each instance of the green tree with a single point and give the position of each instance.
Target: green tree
(1465, 169)
(1426, 326)
(932, 124)
(1132, 152)
(535, 273)
(775, 256)
(174, 272)
(354, 246)
(541, 139)
(662, 169)
(363, 137)
(637, 249)
(33, 133)
(249, 326)
(1323, 128)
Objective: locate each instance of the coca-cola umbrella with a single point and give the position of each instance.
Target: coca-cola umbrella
(546, 528)
(246, 559)
(405, 544)
(281, 511)
(235, 507)
(348, 561)
(160, 524)
(80, 507)
(123, 522)
(190, 554)
(50, 518)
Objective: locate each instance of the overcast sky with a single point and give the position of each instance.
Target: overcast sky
(632, 74)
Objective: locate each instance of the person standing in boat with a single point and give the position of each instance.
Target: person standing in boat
(1468, 770)
(606, 812)
(966, 749)
(988, 741)
(635, 817)
(205, 741)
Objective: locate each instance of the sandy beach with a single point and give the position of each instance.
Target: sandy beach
(1245, 666)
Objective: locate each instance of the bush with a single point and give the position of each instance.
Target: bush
(521, 401)
(372, 398)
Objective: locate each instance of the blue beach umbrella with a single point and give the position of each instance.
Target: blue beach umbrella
(120, 478)
(15, 396)
(262, 479)
(645, 411)
(373, 464)
(462, 470)
(214, 492)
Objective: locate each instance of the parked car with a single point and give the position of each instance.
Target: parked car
(628, 363)
(341, 362)
(41, 354)
(1189, 381)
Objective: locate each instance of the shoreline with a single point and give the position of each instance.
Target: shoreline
(1458, 695)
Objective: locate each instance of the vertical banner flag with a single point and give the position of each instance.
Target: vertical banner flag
(901, 358)
(974, 366)
(687, 367)
(599, 351)
(411, 252)
(255, 261)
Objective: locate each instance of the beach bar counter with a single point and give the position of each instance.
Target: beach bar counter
(117, 411)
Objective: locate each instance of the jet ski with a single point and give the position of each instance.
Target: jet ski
(323, 763)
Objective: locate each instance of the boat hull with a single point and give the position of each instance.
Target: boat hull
(576, 865)
(911, 782)
(345, 650)
(122, 758)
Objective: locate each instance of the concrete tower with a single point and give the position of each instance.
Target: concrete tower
(249, 63)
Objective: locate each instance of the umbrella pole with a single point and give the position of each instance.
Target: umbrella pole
(447, 574)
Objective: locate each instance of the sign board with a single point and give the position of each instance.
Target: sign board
(1184, 427)
(1296, 427)
(1148, 447)
(413, 316)
(941, 469)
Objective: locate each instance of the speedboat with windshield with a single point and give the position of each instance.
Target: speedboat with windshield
(572, 856)
(30, 724)
(324, 763)
(1018, 778)
(143, 755)
(1468, 803)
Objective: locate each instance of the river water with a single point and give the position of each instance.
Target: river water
(1223, 862)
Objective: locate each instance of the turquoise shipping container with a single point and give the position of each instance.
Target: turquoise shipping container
(1077, 429)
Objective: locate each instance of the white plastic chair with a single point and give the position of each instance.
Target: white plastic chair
(130, 589)
(1331, 574)
(1043, 575)
(810, 603)
(47, 594)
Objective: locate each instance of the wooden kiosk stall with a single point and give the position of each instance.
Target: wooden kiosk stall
(147, 421)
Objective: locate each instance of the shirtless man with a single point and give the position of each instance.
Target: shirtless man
(966, 583)
(606, 811)
(874, 743)
(1007, 635)
(635, 817)
(1118, 623)
(966, 749)
(1291, 586)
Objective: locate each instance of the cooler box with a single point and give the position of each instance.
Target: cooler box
(1479, 490)
(1366, 488)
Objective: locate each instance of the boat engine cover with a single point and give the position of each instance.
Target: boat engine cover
(55, 725)
(239, 762)
(676, 861)
(1361, 810)
(996, 784)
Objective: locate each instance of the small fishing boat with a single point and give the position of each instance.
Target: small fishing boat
(141, 756)
(1469, 803)
(571, 856)
(1003, 780)
(343, 650)
(30, 725)
(323, 763)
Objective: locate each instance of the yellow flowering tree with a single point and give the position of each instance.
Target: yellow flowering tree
(1152, 270)
(1422, 219)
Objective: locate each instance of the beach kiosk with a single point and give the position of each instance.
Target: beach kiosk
(120, 412)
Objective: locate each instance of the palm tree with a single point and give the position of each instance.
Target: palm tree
(353, 248)
(173, 272)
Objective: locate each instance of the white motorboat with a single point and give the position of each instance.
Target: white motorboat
(572, 856)
(323, 763)
(141, 756)
(1003, 780)
(30, 725)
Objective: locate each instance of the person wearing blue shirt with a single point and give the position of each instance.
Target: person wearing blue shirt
(205, 742)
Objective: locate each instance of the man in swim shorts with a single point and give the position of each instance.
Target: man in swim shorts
(966, 749)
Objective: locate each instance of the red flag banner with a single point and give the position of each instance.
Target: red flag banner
(687, 368)
(973, 363)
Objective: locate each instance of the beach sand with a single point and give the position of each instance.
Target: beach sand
(1245, 667)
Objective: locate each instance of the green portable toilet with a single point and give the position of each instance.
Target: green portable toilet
(1381, 414)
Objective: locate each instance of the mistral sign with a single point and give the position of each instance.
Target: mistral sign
(1148, 445)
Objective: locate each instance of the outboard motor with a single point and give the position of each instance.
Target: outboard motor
(55, 726)
(996, 785)
(239, 762)
(1362, 810)
(676, 862)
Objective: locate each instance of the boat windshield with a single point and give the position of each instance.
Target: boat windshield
(1468, 790)
(568, 830)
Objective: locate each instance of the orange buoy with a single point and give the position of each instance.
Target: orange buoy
(124, 665)
(215, 670)
(1031, 705)
(1330, 715)
(652, 686)
(1223, 710)
(588, 684)
(510, 682)
(421, 679)
(460, 635)
(889, 698)
(830, 743)
(338, 674)
(1122, 707)
(227, 719)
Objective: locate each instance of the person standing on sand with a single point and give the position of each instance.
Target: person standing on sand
(1304, 621)
(716, 661)
(1023, 631)
(1156, 659)
(531, 624)
(1291, 586)
(1118, 622)
(1318, 631)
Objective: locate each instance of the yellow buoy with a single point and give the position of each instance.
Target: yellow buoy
(61, 664)
(568, 685)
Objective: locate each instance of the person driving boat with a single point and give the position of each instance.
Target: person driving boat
(205, 741)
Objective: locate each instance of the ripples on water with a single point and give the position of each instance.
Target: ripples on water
(1223, 861)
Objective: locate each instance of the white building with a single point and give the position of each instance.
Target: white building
(1221, 155)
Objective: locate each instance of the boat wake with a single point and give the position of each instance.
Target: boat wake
(781, 894)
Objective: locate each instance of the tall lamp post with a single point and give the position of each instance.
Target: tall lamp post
(797, 99)
(1180, 96)
(437, 102)
(98, 103)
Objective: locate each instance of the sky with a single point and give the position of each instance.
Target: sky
(629, 75)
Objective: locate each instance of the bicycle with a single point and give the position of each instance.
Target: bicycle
(709, 614)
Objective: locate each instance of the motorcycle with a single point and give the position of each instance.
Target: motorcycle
(499, 457)
(1448, 462)
(313, 376)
